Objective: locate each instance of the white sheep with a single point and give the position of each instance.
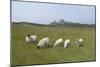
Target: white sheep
(44, 42)
(31, 38)
(67, 43)
(58, 42)
(79, 42)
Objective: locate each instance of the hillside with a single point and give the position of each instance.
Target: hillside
(56, 24)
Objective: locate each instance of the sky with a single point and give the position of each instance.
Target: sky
(45, 13)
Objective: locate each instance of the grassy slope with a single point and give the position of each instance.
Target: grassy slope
(25, 53)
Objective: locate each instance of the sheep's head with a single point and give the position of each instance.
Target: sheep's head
(38, 47)
(28, 35)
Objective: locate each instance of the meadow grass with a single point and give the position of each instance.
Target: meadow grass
(23, 53)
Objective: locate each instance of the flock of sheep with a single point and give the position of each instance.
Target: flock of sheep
(45, 42)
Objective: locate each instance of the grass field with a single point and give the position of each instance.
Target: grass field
(26, 53)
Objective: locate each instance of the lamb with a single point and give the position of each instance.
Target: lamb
(31, 38)
(58, 42)
(79, 42)
(67, 43)
(44, 42)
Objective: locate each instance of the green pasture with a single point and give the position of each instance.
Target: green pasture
(23, 53)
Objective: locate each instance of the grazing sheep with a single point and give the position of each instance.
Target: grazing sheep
(58, 42)
(79, 42)
(31, 38)
(67, 43)
(43, 43)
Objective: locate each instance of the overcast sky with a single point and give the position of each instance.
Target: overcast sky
(45, 13)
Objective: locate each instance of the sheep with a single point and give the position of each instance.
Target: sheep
(31, 38)
(44, 42)
(79, 42)
(67, 43)
(58, 42)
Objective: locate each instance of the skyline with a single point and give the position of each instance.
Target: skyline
(44, 13)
